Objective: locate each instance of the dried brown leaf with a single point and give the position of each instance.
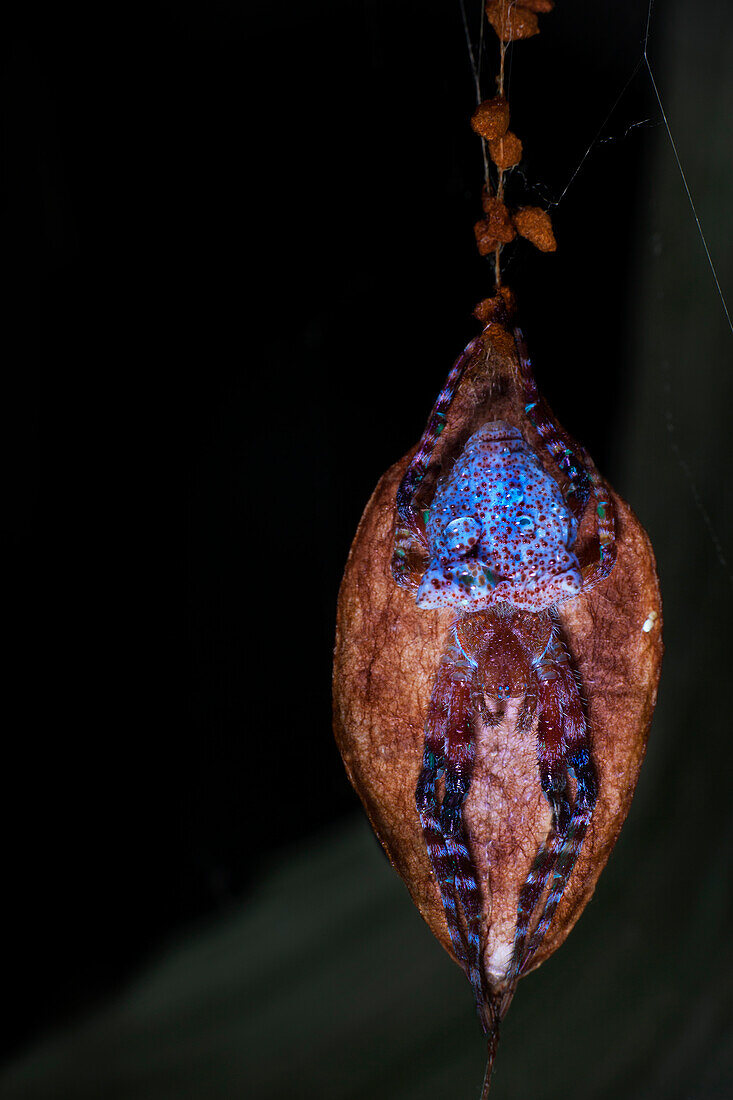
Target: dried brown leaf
(496, 228)
(512, 21)
(533, 223)
(491, 118)
(506, 151)
(387, 651)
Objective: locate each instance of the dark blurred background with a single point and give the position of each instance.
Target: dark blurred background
(241, 259)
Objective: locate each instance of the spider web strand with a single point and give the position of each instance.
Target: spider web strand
(683, 177)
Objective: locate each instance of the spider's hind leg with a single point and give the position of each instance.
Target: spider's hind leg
(450, 747)
(562, 745)
(427, 801)
(580, 762)
(460, 756)
(553, 780)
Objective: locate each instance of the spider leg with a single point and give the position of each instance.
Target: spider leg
(605, 526)
(528, 708)
(554, 785)
(428, 805)
(460, 744)
(581, 763)
(450, 746)
(410, 551)
(563, 713)
(488, 717)
(410, 524)
(567, 455)
(577, 466)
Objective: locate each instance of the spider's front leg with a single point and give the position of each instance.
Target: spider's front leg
(602, 567)
(450, 750)
(410, 543)
(566, 453)
(583, 482)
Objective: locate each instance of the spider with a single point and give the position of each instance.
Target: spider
(496, 545)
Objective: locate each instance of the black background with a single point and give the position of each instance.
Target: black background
(242, 260)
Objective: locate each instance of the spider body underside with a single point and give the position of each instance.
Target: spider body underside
(496, 545)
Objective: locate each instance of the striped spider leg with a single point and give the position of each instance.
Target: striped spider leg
(410, 544)
(449, 754)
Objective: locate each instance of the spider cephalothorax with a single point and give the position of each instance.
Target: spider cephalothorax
(495, 544)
